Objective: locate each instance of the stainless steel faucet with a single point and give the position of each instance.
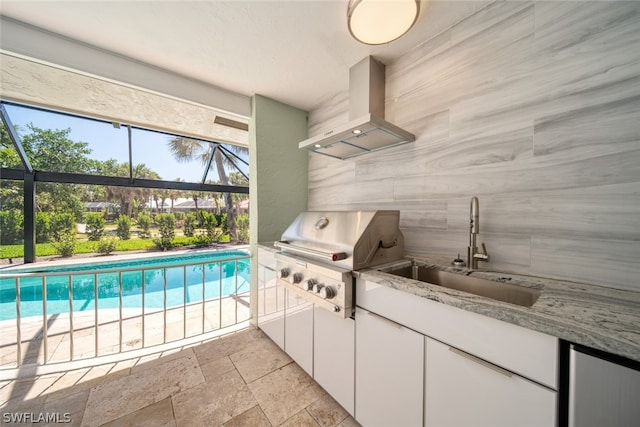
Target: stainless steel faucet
(473, 255)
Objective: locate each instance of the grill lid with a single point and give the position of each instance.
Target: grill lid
(348, 239)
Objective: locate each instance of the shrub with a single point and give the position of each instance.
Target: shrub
(144, 223)
(201, 240)
(66, 244)
(43, 227)
(124, 227)
(222, 222)
(180, 216)
(62, 224)
(210, 223)
(11, 222)
(167, 227)
(106, 245)
(190, 224)
(95, 226)
(242, 224)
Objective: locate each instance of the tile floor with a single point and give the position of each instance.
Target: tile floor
(241, 379)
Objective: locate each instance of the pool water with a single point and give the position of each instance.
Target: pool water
(219, 280)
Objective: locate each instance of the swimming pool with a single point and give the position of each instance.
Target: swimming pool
(189, 277)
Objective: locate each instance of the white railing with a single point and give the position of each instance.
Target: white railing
(88, 331)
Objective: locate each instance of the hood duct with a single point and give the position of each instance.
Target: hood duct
(367, 129)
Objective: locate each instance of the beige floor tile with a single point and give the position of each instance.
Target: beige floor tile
(214, 402)
(285, 392)
(160, 359)
(98, 372)
(258, 359)
(28, 388)
(114, 399)
(301, 419)
(327, 412)
(157, 415)
(349, 422)
(70, 407)
(66, 380)
(254, 417)
(15, 407)
(213, 370)
(226, 345)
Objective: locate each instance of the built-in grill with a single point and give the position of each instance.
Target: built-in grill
(320, 250)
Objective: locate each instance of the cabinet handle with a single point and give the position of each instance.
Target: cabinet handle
(481, 362)
(377, 316)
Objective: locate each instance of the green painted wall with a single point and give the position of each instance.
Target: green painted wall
(278, 171)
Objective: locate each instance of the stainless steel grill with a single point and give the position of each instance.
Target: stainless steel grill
(320, 250)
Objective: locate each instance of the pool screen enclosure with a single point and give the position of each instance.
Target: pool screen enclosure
(31, 176)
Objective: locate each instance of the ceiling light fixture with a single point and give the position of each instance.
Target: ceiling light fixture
(381, 21)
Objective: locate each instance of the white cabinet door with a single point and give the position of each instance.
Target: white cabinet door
(271, 299)
(298, 331)
(461, 390)
(334, 356)
(389, 372)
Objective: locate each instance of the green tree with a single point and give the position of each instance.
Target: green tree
(11, 227)
(62, 224)
(144, 224)
(95, 223)
(128, 198)
(167, 228)
(43, 227)
(190, 224)
(210, 223)
(47, 150)
(187, 150)
(243, 228)
(124, 227)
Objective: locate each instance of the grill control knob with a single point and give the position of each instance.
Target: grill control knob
(317, 287)
(327, 292)
(283, 273)
(296, 278)
(308, 285)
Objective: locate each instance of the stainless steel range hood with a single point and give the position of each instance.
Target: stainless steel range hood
(367, 129)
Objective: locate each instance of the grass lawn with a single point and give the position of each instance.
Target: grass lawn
(85, 247)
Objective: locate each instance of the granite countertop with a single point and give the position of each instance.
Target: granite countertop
(594, 316)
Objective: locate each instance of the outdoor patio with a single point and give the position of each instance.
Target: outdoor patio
(240, 379)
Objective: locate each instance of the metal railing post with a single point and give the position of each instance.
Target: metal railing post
(95, 296)
(45, 325)
(164, 302)
(18, 331)
(143, 305)
(120, 311)
(184, 301)
(235, 276)
(71, 317)
(220, 294)
(203, 286)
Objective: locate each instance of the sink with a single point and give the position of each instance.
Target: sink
(511, 294)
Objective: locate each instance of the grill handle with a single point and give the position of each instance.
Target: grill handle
(329, 256)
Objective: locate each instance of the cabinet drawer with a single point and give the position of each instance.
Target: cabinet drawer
(528, 353)
(461, 390)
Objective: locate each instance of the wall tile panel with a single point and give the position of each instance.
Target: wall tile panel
(533, 107)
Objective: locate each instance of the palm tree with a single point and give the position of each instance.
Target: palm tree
(187, 150)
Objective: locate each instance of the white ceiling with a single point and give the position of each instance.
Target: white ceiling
(295, 51)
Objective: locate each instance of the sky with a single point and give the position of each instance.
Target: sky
(107, 142)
